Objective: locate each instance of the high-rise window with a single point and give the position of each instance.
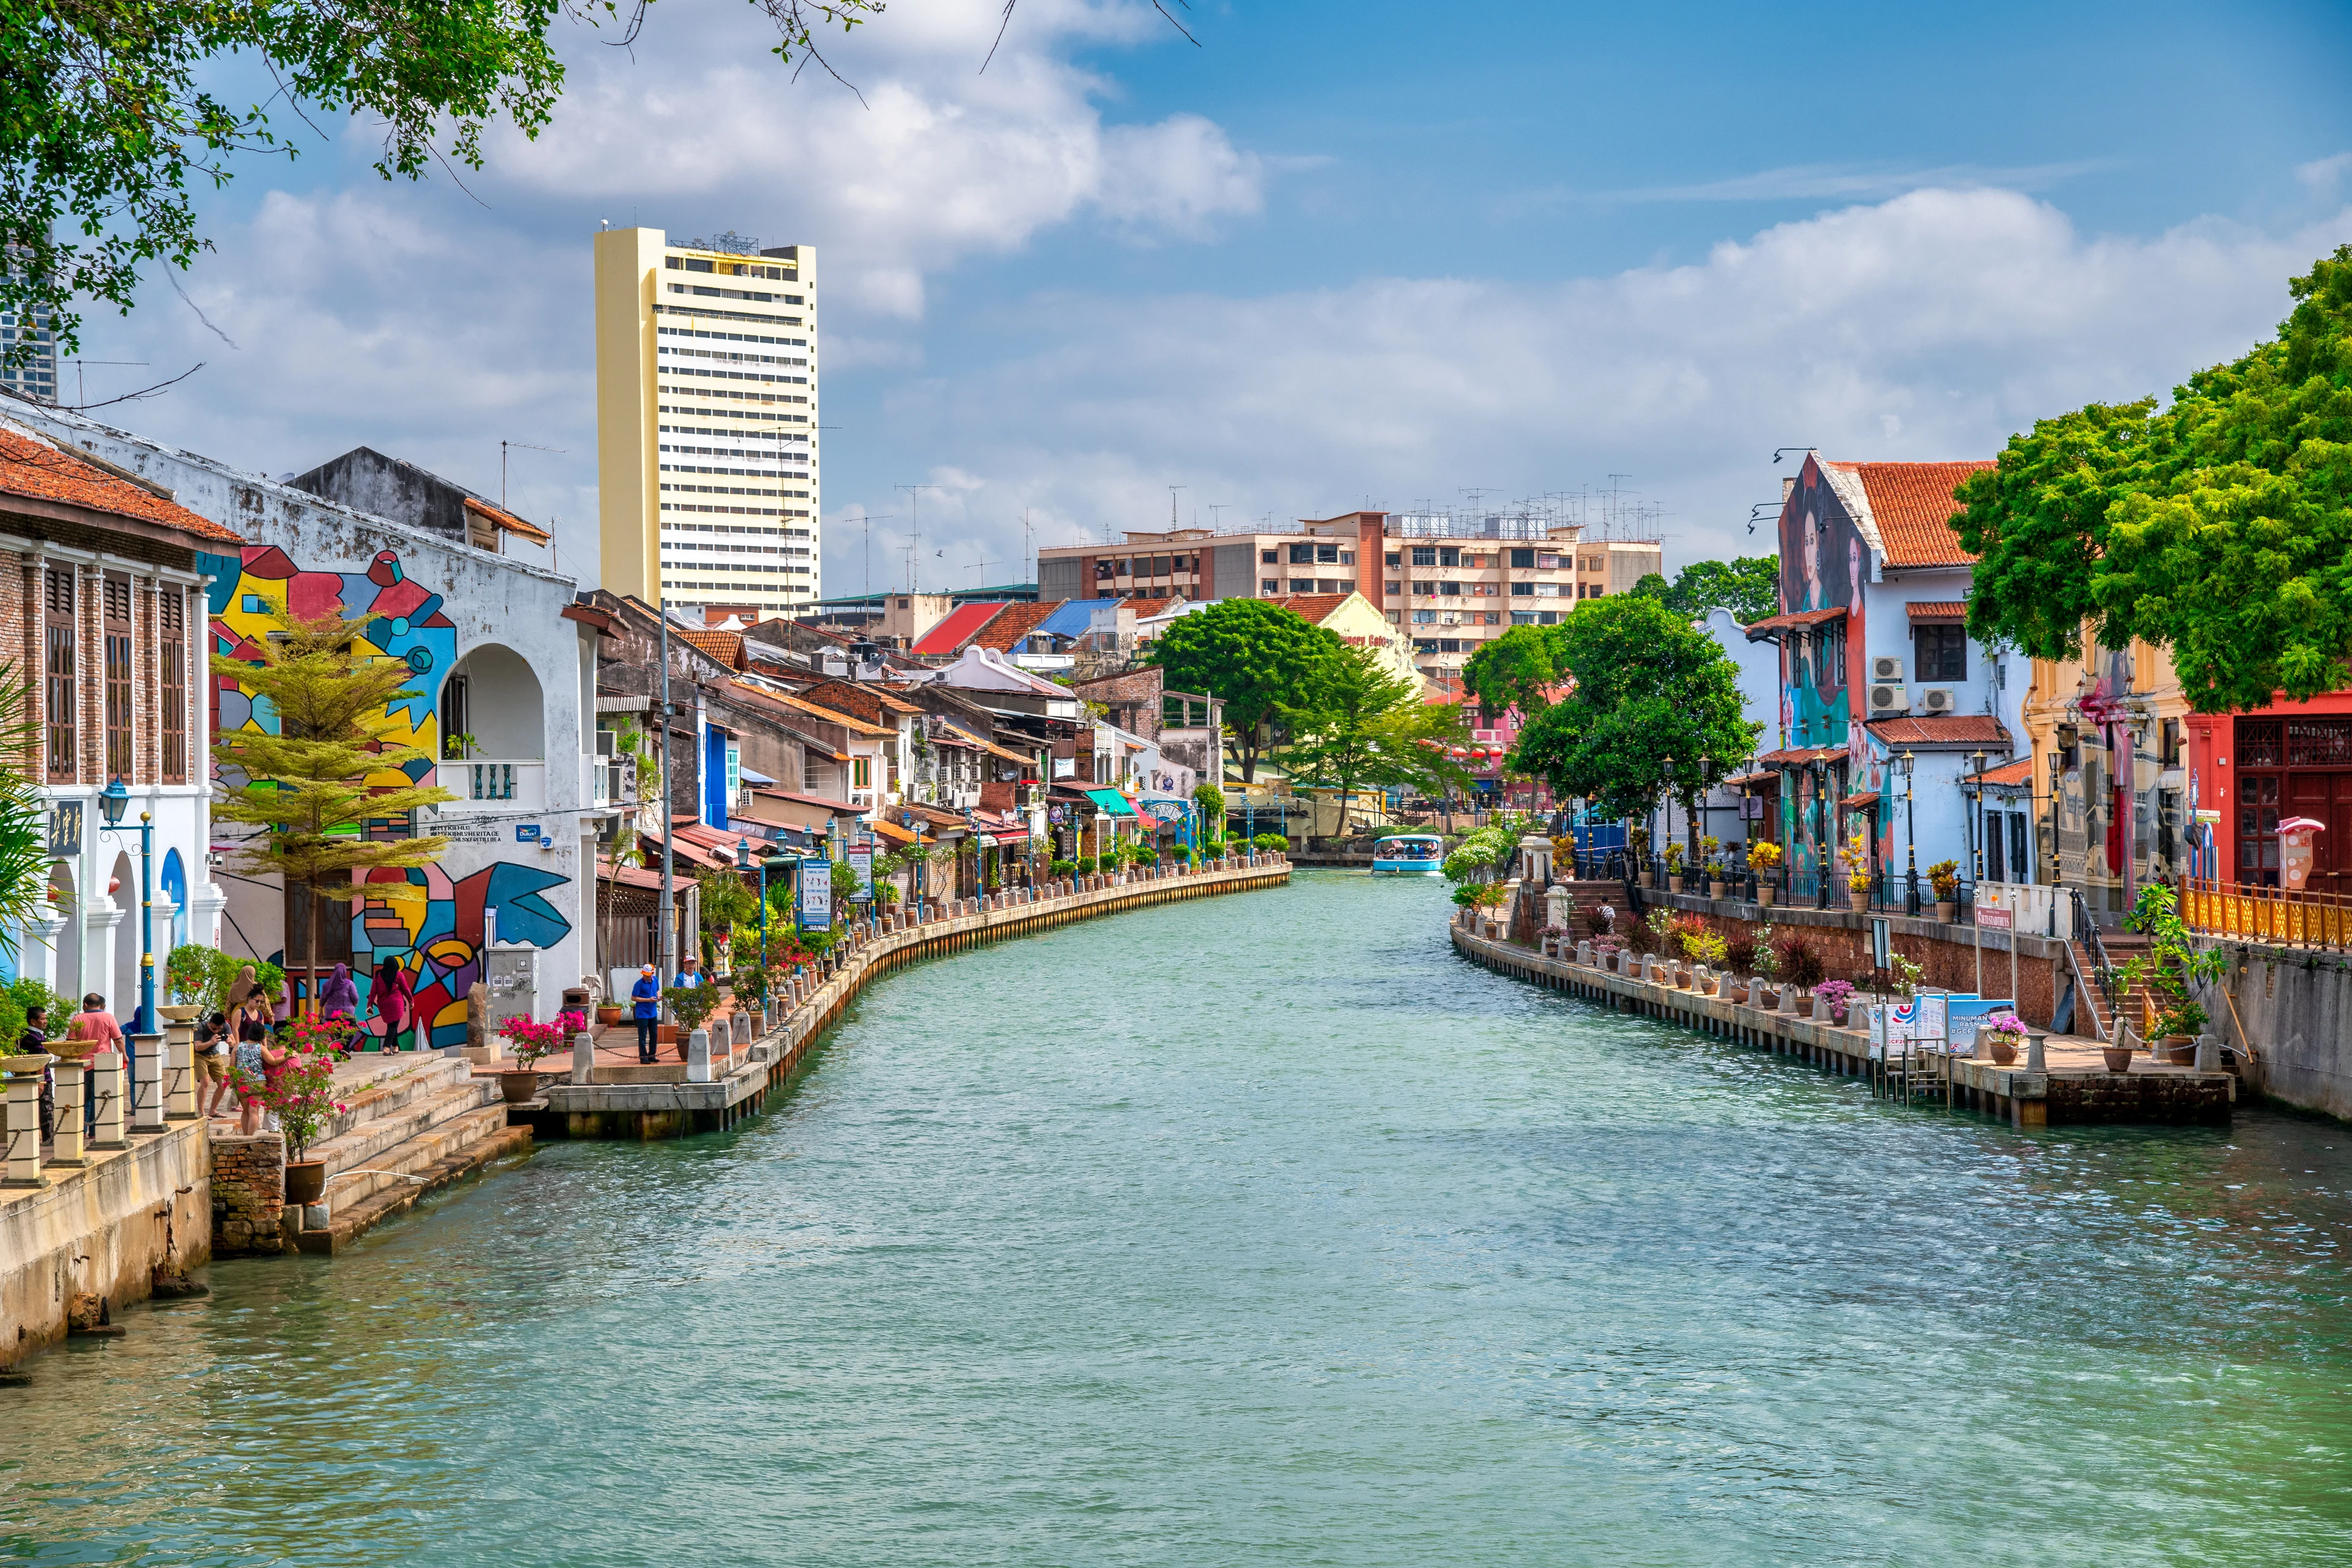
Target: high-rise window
(172, 640)
(57, 667)
(115, 603)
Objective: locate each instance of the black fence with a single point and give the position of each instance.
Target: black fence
(1882, 892)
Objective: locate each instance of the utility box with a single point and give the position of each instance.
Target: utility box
(510, 975)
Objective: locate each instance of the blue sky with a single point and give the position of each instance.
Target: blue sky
(1335, 253)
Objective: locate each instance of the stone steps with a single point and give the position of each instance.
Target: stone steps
(409, 1125)
(437, 1160)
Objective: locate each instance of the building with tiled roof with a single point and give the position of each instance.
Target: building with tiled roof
(1011, 632)
(1877, 671)
(1357, 621)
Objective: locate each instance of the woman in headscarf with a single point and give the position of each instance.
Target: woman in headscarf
(338, 997)
(395, 999)
(239, 989)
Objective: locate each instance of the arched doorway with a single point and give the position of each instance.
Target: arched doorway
(122, 985)
(171, 886)
(64, 971)
(493, 729)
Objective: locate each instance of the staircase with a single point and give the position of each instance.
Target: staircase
(415, 1125)
(2122, 947)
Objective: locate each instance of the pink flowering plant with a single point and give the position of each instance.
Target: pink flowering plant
(1839, 993)
(2007, 1024)
(302, 1091)
(533, 1040)
(310, 1034)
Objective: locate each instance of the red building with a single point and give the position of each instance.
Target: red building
(2250, 771)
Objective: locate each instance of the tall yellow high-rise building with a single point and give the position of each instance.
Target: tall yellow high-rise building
(706, 421)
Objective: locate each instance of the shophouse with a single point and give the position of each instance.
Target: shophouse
(1889, 713)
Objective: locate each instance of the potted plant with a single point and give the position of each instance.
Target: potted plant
(752, 984)
(1637, 841)
(2177, 1027)
(2171, 963)
(2116, 1057)
(530, 1042)
(1710, 848)
(1764, 859)
(192, 976)
(1855, 857)
(1674, 867)
(1944, 876)
(1839, 995)
(301, 1093)
(2004, 1036)
(691, 1006)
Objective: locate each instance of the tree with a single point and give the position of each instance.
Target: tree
(1748, 586)
(1360, 724)
(1653, 707)
(308, 787)
(2219, 528)
(107, 117)
(1253, 656)
(24, 837)
(1512, 671)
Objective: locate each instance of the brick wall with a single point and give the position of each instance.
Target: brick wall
(1136, 694)
(249, 1194)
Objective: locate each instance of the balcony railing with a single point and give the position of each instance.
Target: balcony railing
(2287, 917)
(486, 784)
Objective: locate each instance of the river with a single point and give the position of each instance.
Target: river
(1260, 1230)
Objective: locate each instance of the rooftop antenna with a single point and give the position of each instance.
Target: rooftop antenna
(1172, 505)
(980, 567)
(867, 521)
(520, 446)
(1215, 523)
(915, 516)
(1028, 573)
(81, 388)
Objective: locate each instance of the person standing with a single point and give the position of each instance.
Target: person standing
(394, 996)
(338, 997)
(35, 1040)
(95, 1024)
(212, 1043)
(646, 996)
(689, 977)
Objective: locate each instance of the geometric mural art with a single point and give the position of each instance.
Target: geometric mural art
(439, 941)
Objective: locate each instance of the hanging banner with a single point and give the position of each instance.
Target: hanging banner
(816, 895)
(861, 860)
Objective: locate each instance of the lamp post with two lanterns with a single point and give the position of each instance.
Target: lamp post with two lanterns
(112, 801)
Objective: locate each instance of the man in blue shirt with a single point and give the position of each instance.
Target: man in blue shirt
(646, 994)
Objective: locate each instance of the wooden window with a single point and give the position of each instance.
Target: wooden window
(57, 667)
(861, 773)
(115, 601)
(172, 613)
(1943, 651)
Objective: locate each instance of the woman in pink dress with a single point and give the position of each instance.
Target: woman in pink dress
(394, 993)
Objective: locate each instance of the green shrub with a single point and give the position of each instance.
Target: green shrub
(691, 1006)
(1085, 866)
(17, 999)
(1061, 868)
(1143, 854)
(1273, 841)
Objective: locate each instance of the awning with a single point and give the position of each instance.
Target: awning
(1795, 620)
(892, 831)
(1745, 781)
(1939, 610)
(1799, 756)
(750, 777)
(1110, 803)
(1856, 802)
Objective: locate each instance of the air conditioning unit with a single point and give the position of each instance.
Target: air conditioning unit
(1939, 700)
(1886, 671)
(1886, 701)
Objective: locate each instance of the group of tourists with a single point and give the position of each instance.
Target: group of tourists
(645, 997)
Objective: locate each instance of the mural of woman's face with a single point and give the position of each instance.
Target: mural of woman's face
(1813, 559)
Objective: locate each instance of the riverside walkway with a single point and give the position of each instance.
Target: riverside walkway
(2074, 1087)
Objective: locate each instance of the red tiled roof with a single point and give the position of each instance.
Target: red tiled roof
(1912, 504)
(1939, 610)
(501, 517)
(1315, 607)
(1941, 729)
(39, 470)
(2017, 774)
(1856, 802)
(962, 625)
(626, 875)
(1017, 622)
(727, 647)
(1143, 607)
(1796, 756)
(1793, 619)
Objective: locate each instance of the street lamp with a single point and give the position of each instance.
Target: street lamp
(1902, 765)
(112, 801)
(1975, 810)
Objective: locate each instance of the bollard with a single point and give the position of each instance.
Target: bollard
(2209, 1053)
(1787, 999)
(106, 1093)
(66, 1120)
(583, 1057)
(147, 1087)
(180, 1072)
(2034, 1060)
(1754, 992)
(25, 1130)
(742, 1029)
(1820, 1008)
(1584, 953)
(698, 1057)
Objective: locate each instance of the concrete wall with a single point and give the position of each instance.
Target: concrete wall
(100, 1230)
(2296, 1012)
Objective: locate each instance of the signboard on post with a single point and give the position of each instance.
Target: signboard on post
(1993, 919)
(861, 860)
(815, 900)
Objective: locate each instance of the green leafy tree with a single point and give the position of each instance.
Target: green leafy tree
(1653, 707)
(110, 114)
(1254, 655)
(2219, 529)
(23, 835)
(307, 788)
(1513, 671)
(1360, 724)
(1748, 586)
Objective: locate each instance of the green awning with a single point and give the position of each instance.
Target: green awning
(1110, 803)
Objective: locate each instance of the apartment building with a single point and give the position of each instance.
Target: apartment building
(1450, 583)
(706, 420)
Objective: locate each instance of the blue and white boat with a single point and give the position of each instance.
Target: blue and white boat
(1409, 854)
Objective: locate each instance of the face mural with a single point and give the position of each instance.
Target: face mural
(439, 942)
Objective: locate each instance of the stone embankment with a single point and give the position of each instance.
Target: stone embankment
(2075, 1086)
(731, 1075)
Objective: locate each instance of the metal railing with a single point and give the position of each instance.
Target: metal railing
(2281, 916)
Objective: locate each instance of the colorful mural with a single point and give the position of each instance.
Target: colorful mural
(1824, 560)
(439, 942)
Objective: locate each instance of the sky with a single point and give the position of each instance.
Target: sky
(1310, 257)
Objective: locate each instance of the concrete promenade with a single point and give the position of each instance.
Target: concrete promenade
(677, 1099)
(2076, 1089)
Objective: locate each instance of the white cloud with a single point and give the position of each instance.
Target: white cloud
(1930, 326)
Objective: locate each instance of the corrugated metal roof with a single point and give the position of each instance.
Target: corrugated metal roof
(961, 625)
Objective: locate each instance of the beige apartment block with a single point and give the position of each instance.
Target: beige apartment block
(707, 421)
(1446, 588)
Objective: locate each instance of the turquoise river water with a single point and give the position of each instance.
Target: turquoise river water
(1260, 1230)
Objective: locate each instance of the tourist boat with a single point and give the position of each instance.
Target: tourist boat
(1407, 854)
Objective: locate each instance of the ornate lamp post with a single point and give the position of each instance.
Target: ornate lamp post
(1975, 810)
(112, 801)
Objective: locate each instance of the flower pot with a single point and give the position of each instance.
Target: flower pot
(306, 1181)
(2180, 1050)
(32, 1063)
(608, 1016)
(1673, 884)
(1649, 879)
(2003, 1048)
(1946, 908)
(665, 1034)
(2117, 1057)
(1857, 898)
(1714, 890)
(1764, 897)
(182, 1012)
(519, 1085)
